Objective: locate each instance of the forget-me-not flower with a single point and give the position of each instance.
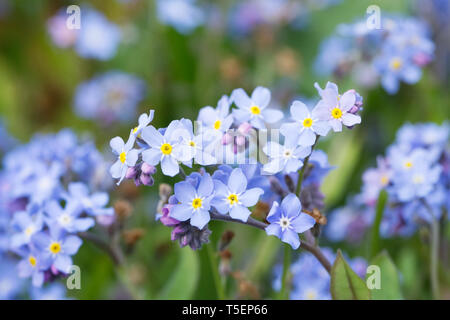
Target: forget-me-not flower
(287, 220)
(307, 124)
(335, 108)
(126, 157)
(94, 204)
(234, 198)
(254, 109)
(166, 148)
(287, 157)
(68, 218)
(194, 203)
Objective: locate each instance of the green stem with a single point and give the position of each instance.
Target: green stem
(215, 271)
(284, 293)
(435, 258)
(302, 170)
(434, 261)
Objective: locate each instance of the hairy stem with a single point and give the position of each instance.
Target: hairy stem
(285, 287)
(302, 170)
(315, 250)
(215, 272)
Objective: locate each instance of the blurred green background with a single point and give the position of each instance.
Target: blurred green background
(184, 73)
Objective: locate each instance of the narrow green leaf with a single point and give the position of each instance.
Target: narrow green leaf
(345, 283)
(389, 278)
(183, 282)
(381, 204)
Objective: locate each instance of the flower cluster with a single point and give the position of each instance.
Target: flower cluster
(109, 97)
(97, 38)
(51, 189)
(232, 178)
(415, 174)
(394, 53)
(310, 280)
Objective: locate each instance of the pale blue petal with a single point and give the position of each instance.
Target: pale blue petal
(289, 236)
(250, 197)
(117, 144)
(200, 218)
(303, 222)
(291, 205)
(184, 192)
(181, 212)
(240, 213)
(152, 156)
(152, 137)
(169, 166)
(261, 97)
(237, 183)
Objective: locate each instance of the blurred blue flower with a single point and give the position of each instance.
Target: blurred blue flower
(97, 38)
(109, 97)
(183, 15)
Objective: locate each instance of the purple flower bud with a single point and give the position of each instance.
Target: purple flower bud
(131, 173)
(240, 141)
(146, 179)
(148, 169)
(227, 138)
(245, 128)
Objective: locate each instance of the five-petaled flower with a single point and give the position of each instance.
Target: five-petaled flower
(234, 198)
(287, 220)
(126, 157)
(194, 201)
(254, 109)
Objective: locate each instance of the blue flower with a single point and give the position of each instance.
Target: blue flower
(166, 148)
(109, 97)
(10, 283)
(218, 120)
(53, 291)
(287, 157)
(183, 15)
(194, 203)
(126, 157)
(68, 218)
(97, 38)
(396, 65)
(335, 108)
(143, 121)
(32, 266)
(234, 198)
(57, 248)
(26, 225)
(287, 220)
(307, 124)
(254, 109)
(94, 204)
(197, 146)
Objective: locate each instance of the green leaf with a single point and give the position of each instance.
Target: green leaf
(345, 283)
(381, 204)
(389, 279)
(183, 282)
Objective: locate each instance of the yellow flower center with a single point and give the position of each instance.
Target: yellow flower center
(396, 63)
(32, 261)
(336, 113)
(197, 203)
(29, 231)
(135, 130)
(384, 180)
(307, 122)
(255, 110)
(192, 144)
(311, 294)
(217, 124)
(123, 157)
(166, 149)
(55, 247)
(408, 164)
(233, 199)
